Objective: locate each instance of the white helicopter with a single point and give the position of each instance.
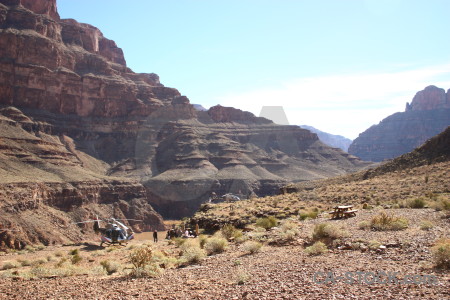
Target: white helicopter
(115, 232)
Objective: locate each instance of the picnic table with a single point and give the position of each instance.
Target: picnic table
(343, 211)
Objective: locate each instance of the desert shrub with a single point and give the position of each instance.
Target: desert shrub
(142, 260)
(74, 252)
(311, 214)
(252, 246)
(416, 203)
(287, 232)
(317, 248)
(202, 240)
(50, 258)
(215, 245)
(110, 267)
(59, 254)
(75, 259)
(38, 262)
(442, 204)
(242, 277)
(267, 223)
(374, 245)
(140, 257)
(230, 232)
(385, 222)
(10, 265)
(441, 253)
(426, 225)
(25, 262)
(151, 270)
(179, 241)
(364, 225)
(61, 262)
(163, 260)
(327, 231)
(193, 254)
(40, 247)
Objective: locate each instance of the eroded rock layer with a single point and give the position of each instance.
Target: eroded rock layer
(426, 116)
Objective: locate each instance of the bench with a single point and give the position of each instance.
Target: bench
(350, 212)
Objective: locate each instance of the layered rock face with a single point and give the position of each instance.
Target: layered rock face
(426, 116)
(46, 185)
(106, 123)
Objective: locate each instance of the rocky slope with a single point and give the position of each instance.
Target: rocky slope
(332, 140)
(107, 121)
(426, 116)
(46, 185)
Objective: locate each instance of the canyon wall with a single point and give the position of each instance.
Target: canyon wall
(426, 116)
(76, 116)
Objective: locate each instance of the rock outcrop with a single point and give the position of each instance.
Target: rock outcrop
(426, 116)
(332, 140)
(46, 185)
(68, 85)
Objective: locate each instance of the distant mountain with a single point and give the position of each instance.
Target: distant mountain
(336, 141)
(434, 150)
(426, 116)
(199, 107)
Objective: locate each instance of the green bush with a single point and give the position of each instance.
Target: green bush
(110, 267)
(327, 231)
(215, 245)
(150, 270)
(364, 225)
(311, 214)
(374, 245)
(252, 246)
(385, 222)
(441, 253)
(417, 203)
(230, 232)
(267, 223)
(442, 204)
(10, 265)
(317, 248)
(193, 254)
(287, 232)
(76, 259)
(74, 252)
(426, 225)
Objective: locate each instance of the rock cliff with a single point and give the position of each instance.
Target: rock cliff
(426, 116)
(69, 86)
(46, 185)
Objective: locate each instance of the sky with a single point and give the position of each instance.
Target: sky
(337, 65)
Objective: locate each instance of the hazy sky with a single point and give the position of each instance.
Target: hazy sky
(338, 65)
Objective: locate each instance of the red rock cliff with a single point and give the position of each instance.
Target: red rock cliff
(430, 98)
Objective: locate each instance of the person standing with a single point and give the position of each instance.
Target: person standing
(155, 236)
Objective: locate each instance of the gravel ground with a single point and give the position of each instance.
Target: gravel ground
(277, 272)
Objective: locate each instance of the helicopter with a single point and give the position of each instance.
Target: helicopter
(115, 232)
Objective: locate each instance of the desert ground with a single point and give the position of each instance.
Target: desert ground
(281, 269)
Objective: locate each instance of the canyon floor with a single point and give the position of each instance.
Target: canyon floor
(275, 272)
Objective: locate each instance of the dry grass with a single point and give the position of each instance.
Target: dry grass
(441, 253)
(215, 245)
(386, 222)
(327, 231)
(317, 248)
(252, 246)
